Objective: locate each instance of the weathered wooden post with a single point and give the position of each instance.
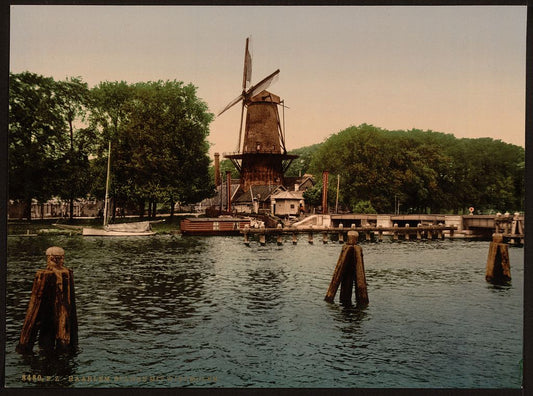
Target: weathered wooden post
(51, 313)
(430, 233)
(344, 260)
(361, 294)
(418, 233)
(341, 235)
(262, 236)
(407, 232)
(440, 234)
(498, 265)
(310, 237)
(325, 237)
(246, 237)
(380, 233)
(279, 239)
(367, 233)
(294, 238)
(395, 234)
(349, 270)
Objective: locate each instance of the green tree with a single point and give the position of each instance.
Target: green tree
(160, 151)
(74, 94)
(37, 138)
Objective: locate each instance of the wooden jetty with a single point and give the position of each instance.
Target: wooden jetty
(427, 232)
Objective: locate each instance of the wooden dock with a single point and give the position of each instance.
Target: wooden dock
(420, 232)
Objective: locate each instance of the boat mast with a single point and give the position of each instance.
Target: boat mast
(107, 183)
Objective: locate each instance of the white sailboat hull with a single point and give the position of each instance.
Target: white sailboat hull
(102, 232)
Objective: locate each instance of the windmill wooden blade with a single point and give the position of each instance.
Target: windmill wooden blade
(232, 103)
(262, 85)
(247, 73)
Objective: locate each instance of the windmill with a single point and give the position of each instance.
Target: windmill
(263, 158)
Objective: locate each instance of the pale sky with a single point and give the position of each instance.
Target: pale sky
(457, 70)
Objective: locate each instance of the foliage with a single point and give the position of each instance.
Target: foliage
(364, 207)
(59, 134)
(37, 138)
(426, 171)
(300, 165)
(158, 132)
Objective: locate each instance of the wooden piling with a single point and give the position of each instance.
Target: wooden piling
(51, 315)
(347, 250)
(294, 238)
(380, 234)
(246, 237)
(262, 237)
(279, 239)
(341, 235)
(325, 237)
(407, 232)
(310, 237)
(418, 233)
(498, 266)
(348, 272)
(395, 234)
(361, 294)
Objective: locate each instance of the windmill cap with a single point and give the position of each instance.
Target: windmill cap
(55, 251)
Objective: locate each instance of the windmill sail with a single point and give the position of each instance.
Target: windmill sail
(247, 74)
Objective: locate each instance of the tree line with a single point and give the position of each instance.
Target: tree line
(416, 171)
(59, 135)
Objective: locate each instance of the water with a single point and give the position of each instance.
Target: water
(171, 311)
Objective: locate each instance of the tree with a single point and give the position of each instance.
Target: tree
(37, 138)
(74, 95)
(159, 132)
(424, 170)
(109, 113)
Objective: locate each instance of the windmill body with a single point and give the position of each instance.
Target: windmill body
(263, 158)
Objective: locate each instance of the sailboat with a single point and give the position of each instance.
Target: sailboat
(140, 228)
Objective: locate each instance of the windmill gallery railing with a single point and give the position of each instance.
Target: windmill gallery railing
(428, 232)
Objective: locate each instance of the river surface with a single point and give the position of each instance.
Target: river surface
(172, 311)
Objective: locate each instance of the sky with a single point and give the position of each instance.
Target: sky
(458, 70)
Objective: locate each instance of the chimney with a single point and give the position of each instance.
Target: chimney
(217, 169)
(228, 191)
(325, 192)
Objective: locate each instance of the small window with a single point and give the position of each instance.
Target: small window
(292, 206)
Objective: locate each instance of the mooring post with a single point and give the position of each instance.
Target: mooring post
(349, 270)
(341, 235)
(280, 237)
(51, 313)
(367, 233)
(245, 233)
(498, 265)
(418, 233)
(262, 236)
(361, 294)
(407, 232)
(395, 234)
(344, 260)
